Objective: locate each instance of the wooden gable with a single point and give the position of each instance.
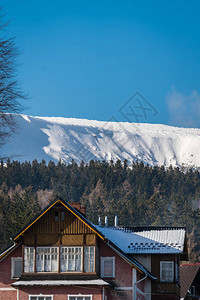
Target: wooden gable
(58, 225)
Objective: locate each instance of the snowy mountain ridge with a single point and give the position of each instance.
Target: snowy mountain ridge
(54, 138)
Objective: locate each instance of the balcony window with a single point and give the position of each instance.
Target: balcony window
(29, 259)
(71, 259)
(47, 259)
(89, 259)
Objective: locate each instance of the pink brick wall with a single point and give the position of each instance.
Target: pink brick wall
(123, 278)
(60, 293)
(123, 271)
(5, 268)
(8, 295)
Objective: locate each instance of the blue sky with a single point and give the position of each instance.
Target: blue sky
(86, 59)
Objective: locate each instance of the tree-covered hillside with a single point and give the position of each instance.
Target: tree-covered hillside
(140, 195)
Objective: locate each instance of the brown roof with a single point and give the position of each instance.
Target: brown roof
(187, 276)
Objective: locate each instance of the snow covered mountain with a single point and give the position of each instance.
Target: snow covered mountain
(66, 139)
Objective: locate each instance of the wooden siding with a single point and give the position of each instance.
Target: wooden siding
(71, 224)
(67, 231)
(163, 288)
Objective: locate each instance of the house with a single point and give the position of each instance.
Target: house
(190, 281)
(61, 255)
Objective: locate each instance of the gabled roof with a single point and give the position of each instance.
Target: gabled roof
(94, 228)
(73, 210)
(188, 273)
(147, 240)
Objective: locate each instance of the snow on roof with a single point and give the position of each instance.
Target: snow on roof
(146, 240)
(59, 282)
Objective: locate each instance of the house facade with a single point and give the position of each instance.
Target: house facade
(61, 255)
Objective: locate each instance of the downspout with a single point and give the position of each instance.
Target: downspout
(17, 293)
(2, 254)
(136, 287)
(103, 292)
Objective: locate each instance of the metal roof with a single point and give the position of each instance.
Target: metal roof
(146, 240)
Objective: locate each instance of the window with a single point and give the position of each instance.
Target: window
(29, 259)
(108, 267)
(46, 259)
(40, 297)
(79, 297)
(71, 259)
(192, 290)
(62, 216)
(56, 216)
(16, 267)
(167, 271)
(89, 259)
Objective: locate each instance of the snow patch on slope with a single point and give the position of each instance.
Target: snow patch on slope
(53, 138)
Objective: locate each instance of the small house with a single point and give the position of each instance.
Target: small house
(61, 255)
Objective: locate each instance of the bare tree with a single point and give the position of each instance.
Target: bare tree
(10, 91)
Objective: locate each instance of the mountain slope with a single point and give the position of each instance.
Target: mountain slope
(52, 138)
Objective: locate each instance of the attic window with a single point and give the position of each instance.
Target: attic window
(62, 216)
(56, 216)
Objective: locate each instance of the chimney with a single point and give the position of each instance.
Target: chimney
(78, 206)
(116, 221)
(106, 221)
(99, 221)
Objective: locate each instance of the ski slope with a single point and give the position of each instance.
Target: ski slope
(53, 138)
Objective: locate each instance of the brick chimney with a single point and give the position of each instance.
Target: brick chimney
(78, 206)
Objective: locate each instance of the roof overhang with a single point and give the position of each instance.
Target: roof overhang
(94, 282)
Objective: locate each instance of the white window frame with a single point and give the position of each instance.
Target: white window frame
(13, 260)
(90, 258)
(70, 247)
(103, 259)
(41, 295)
(46, 247)
(79, 295)
(161, 268)
(33, 259)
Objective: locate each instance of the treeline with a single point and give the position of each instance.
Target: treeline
(140, 195)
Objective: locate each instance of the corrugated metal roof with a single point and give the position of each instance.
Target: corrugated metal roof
(187, 276)
(146, 240)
